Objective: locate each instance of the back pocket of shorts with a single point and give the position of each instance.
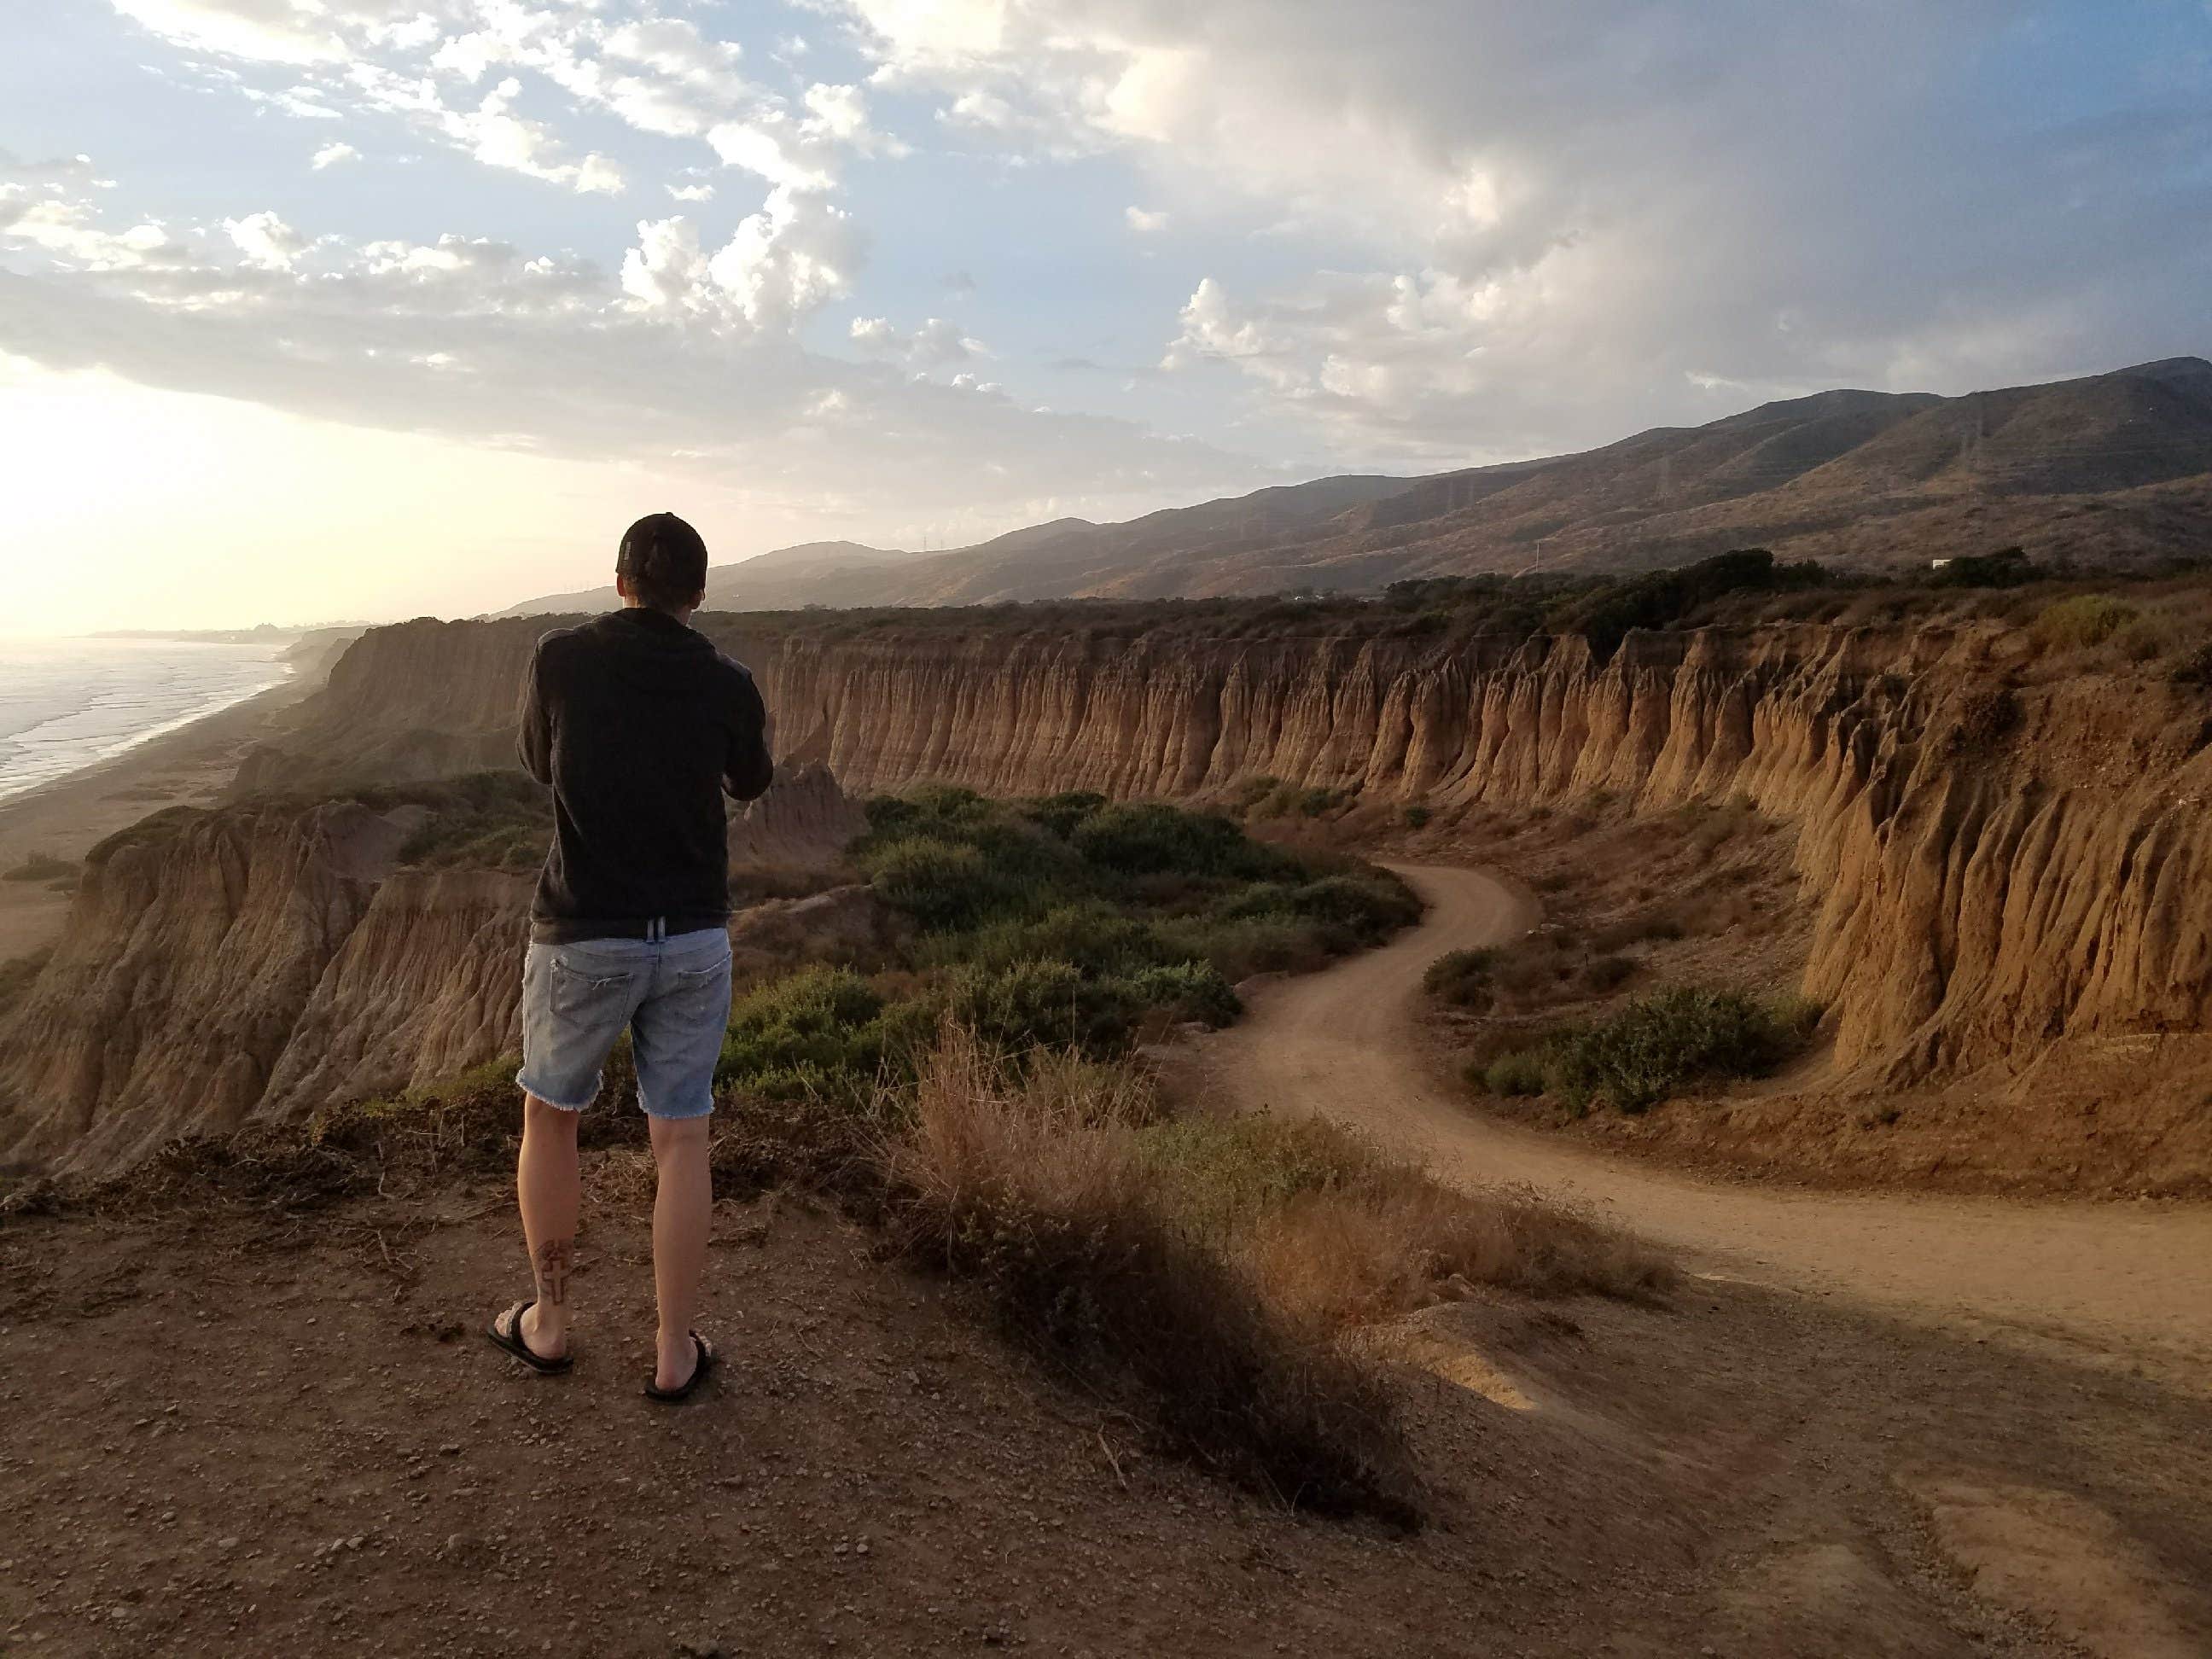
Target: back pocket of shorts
(582, 990)
(700, 993)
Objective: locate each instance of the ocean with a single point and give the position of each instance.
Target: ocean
(65, 704)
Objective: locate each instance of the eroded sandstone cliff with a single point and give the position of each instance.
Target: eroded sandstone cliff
(263, 959)
(2005, 856)
(2010, 861)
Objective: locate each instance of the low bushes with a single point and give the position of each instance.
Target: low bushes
(1065, 920)
(496, 820)
(2086, 619)
(821, 1029)
(1463, 979)
(1653, 1047)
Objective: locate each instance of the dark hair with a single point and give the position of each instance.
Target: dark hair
(665, 560)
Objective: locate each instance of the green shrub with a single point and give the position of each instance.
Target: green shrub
(1185, 991)
(1063, 814)
(940, 883)
(821, 1028)
(1361, 908)
(487, 820)
(1461, 978)
(1656, 1044)
(1666, 598)
(1142, 838)
(2084, 620)
(1320, 798)
(1519, 1073)
(1028, 1004)
(1418, 816)
(1239, 947)
(1093, 933)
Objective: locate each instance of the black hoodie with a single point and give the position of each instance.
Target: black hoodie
(640, 725)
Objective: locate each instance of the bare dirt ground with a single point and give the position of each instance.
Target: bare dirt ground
(245, 1435)
(2125, 1286)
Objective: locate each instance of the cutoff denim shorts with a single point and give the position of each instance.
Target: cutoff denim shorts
(671, 994)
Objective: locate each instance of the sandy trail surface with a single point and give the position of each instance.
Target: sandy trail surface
(2124, 1285)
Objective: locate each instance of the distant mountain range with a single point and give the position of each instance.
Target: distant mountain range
(2113, 469)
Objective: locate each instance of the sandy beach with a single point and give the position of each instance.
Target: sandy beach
(189, 766)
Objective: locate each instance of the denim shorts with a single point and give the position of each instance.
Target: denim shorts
(671, 994)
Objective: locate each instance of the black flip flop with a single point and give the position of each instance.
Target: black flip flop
(700, 1367)
(510, 1340)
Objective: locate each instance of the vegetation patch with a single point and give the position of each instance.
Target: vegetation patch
(1463, 979)
(1655, 1047)
(2086, 619)
(488, 820)
(41, 866)
(1062, 923)
(1665, 598)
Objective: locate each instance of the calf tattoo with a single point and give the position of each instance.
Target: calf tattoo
(551, 1264)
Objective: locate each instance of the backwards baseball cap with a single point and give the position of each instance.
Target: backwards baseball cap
(664, 555)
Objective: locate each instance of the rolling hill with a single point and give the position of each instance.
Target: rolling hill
(2112, 469)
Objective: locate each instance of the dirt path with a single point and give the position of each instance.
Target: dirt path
(2125, 1286)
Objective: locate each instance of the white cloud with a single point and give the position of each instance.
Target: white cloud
(801, 153)
(499, 137)
(266, 240)
(1524, 225)
(796, 254)
(331, 156)
(935, 343)
(771, 145)
(70, 232)
(684, 359)
(283, 31)
(1489, 229)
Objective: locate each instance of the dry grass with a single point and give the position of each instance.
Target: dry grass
(1044, 1201)
(1397, 1241)
(1200, 1271)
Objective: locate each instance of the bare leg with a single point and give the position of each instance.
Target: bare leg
(545, 1181)
(683, 1211)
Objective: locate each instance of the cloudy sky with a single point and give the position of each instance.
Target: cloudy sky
(321, 309)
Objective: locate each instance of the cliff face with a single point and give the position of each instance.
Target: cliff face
(193, 945)
(2012, 865)
(265, 959)
(2003, 862)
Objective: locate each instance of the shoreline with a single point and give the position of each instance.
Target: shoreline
(188, 763)
(125, 746)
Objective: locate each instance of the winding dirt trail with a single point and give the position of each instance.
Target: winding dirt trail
(2119, 1285)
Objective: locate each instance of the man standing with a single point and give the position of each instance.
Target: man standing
(641, 726)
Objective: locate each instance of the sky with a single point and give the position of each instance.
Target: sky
(358, 309)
